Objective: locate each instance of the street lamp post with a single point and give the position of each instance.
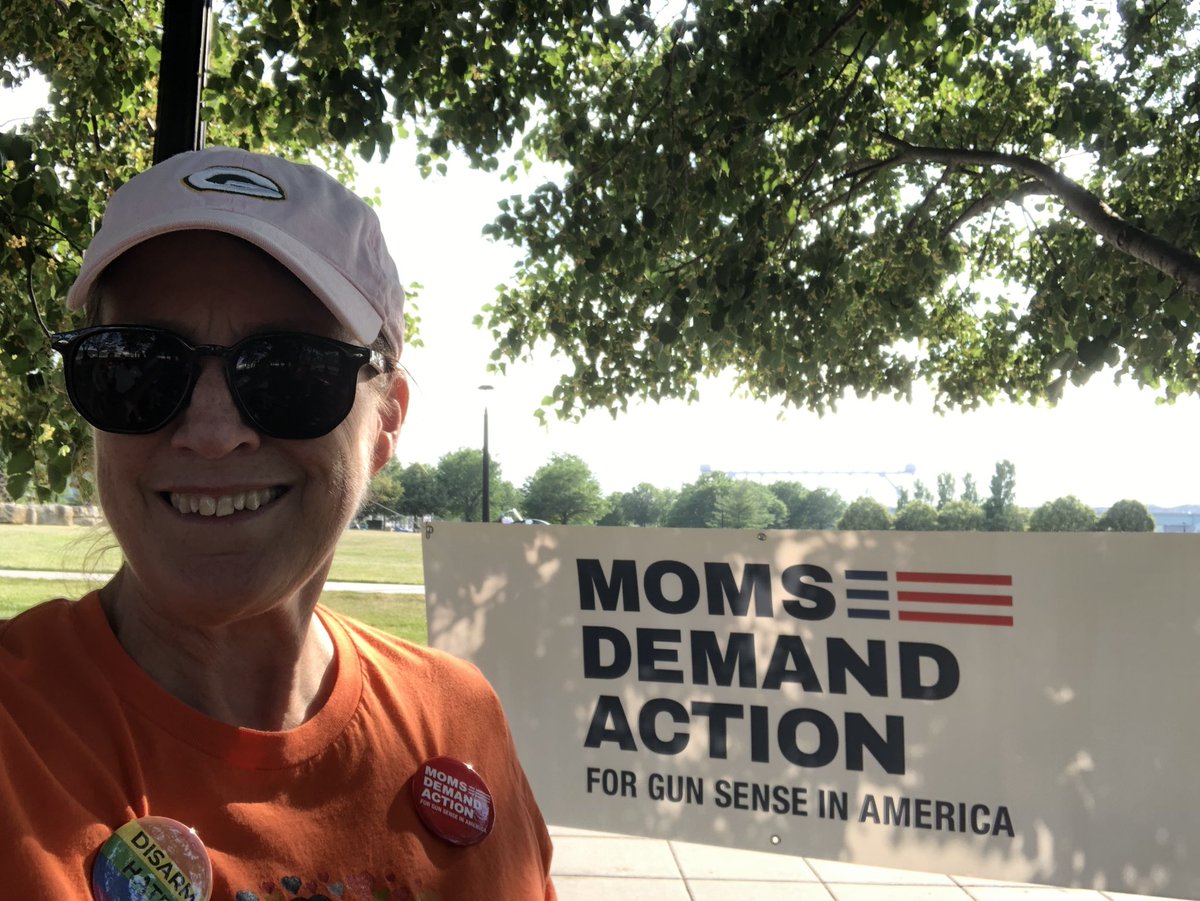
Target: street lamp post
(486, 506)
(181, 72)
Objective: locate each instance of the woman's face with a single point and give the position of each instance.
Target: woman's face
(268, 512)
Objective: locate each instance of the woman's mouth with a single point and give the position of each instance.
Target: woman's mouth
(223, 504)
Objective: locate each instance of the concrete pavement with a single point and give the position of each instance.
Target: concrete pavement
(597, 866)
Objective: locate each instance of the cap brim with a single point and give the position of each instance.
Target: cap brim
(319, 274)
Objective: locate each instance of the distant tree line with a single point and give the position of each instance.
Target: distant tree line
(564, 490)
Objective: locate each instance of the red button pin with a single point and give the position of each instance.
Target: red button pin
(453, 801)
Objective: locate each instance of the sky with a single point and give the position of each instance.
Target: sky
(1101, 442)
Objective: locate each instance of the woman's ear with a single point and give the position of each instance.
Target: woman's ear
(393, 407)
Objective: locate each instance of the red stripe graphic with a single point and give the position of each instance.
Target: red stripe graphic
(973, 619)
(943, 597)
(955, 578)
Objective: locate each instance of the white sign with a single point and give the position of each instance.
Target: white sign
(1019, 706)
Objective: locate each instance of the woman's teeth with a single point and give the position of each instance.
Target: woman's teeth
(223, 504)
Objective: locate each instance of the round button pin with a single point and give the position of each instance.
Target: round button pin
(453, 801)
(152, 858)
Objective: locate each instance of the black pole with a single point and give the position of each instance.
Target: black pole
(181, 68)
(487, 465)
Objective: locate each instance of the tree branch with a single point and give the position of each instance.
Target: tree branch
(981, 206)
(921, 207)
(841, 23)
(1177, 264)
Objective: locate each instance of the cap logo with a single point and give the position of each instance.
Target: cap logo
(235, 180)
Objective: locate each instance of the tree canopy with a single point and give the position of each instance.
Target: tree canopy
(645, 505)
(916, 516)
(1126, 516)
(1000, 511)
(385, 496)
(749, 505)
(458, 486)
(865, 514)
(564, 491)
(959, 516)
(993, 196)
(318, 78)
(1064, 514)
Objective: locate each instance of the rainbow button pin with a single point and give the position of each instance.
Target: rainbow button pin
(152, 859)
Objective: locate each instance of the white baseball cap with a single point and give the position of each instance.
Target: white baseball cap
(303, 217)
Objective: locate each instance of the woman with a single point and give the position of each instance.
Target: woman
(200, 727)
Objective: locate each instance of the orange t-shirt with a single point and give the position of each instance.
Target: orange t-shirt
(89, 742)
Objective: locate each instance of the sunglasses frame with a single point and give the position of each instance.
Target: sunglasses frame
(66, 344)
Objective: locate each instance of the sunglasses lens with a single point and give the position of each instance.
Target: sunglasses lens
(294, 386)
(127, 380)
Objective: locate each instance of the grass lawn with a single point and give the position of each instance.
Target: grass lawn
(379, 557)
(73, 549)
(17, 594)
(361, 556)
(403, 615)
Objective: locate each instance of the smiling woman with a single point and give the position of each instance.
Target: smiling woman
(240, 371)
(170, 494)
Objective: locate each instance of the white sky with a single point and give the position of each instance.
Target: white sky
(1101, 443)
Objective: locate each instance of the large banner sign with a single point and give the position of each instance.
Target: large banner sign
(1019, 706)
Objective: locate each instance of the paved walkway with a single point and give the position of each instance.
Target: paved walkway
(596, 866)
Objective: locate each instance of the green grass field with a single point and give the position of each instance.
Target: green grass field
(403, 615)
(361, 556)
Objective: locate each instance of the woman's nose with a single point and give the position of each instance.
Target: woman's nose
(211, 424)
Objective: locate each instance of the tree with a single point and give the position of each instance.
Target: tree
(385, 495)
(503, 497)
(820, 197)
(959, 516)
(564, 491)
(921, 492)
(421, 493)
(1015, 519)
(1000, 512)
(646, 505)
(945, 489)
(819, 509)
(916, 516)
(1126, 516)
(790, 494)
(865, 514)
(317, 78)
(613, 515)
(748, 505)
(459, 485)
(970, 492)
(696, 504)
(816, 509)
(875, 166)
(1064, 514)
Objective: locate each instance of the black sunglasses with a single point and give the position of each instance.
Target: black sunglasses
(134, 379)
